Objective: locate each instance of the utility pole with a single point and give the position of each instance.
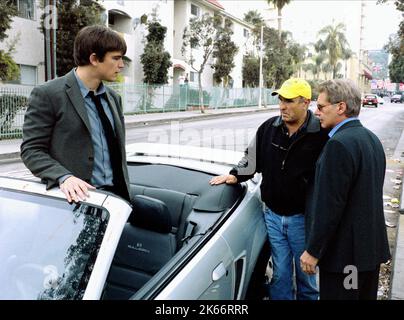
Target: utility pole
(50, 26)
(260, 75)
(360, 78)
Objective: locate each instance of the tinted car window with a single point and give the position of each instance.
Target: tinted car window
(370, 96)
(47, 247)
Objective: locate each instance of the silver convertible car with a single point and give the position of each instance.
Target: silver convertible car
(180, 238)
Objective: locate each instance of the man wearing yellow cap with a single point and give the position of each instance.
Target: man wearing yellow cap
(285, 150)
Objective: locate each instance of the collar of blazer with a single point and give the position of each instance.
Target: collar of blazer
(350, 124)
(77, 100)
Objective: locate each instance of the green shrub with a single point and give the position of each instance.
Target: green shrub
(193, 97)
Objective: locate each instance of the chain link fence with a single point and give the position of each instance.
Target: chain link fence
(13, 104)
(137, 99)
(145, 98)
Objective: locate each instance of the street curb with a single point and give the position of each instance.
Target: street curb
(397, 274)
(7, 156)
(202, 116)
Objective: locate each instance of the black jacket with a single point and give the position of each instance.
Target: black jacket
(287, 164)
(345, 221)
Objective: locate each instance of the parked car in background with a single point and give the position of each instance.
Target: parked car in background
(370, 100)
(397, 98)
(380, 100)
(180, 238)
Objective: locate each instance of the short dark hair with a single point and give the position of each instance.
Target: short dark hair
(96, 39)
(343, 90)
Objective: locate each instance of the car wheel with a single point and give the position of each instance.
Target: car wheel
(376, 105)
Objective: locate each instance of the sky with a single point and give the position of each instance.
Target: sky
(304, 18)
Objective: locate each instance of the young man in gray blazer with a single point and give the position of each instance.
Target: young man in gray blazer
(345, 228)
(73, 133)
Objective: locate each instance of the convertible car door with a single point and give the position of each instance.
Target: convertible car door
(207, 276)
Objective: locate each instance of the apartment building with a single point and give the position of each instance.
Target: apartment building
(126, 18)
(188, 9)
(29, 48)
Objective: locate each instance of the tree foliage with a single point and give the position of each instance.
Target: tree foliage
(254, 18)
(250, 70)
(200, 35)
(335, 44)
(279, 4)
(155, 60)
(224, 51)
(278, 62)
(7, 12)
(396, 48)
(72, 16)
(8, 68)
(282, 56)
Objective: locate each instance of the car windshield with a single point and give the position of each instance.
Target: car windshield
(370, 96)
(47, 247)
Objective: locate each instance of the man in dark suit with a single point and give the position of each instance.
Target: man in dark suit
(73, 133)
(345, 228)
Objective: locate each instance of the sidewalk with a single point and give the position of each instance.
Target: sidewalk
(10, 149)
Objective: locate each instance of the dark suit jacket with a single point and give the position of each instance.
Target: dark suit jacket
(56, 131)
(345, 221)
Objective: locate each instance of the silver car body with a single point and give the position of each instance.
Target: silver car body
(216, 263)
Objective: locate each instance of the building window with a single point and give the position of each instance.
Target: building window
(27, 75)
(195, 10)
(193, 76)
(25, 8)
(246, 33)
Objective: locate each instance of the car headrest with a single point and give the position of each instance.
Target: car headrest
(151, 214)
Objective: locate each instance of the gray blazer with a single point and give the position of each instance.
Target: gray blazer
(56, 132)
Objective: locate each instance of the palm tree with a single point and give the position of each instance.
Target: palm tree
(254, 17)
(346, 55)
(279, 4)
(316, 65)
(336, 44)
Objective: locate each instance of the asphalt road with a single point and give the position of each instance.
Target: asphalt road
(235, 131)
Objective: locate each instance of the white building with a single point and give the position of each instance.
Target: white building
(29, 49)
(126, 18)
(187, 9)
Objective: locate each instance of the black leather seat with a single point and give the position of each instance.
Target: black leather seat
(179, 206)
(146, 245)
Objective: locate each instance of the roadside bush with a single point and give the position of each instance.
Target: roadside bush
(193, 97)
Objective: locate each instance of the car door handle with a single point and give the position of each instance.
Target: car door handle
(219, 272)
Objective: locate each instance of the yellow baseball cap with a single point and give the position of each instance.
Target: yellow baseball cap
(293, 88)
